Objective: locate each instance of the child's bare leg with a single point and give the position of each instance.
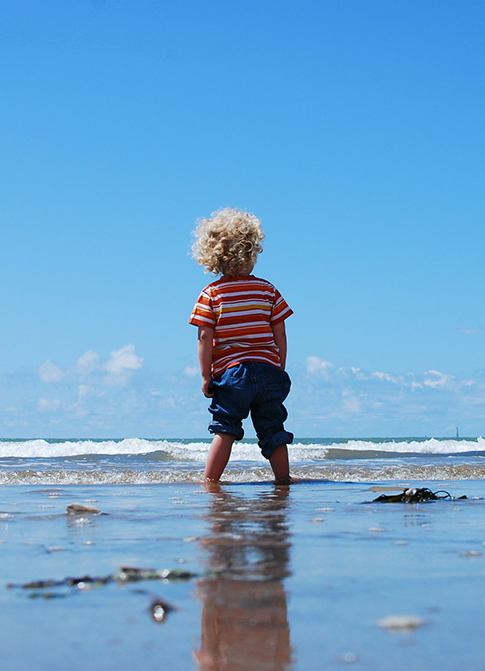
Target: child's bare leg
(279, 463)
(219, 453)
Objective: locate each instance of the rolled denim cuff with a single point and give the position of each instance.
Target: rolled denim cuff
(218, 427)
(268, 445)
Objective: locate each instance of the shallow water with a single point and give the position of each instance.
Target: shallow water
(282, 577)
(279, 578)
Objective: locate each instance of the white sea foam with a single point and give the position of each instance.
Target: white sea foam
(70, 448)
(175, 450)
(404, 474)
(428, 446)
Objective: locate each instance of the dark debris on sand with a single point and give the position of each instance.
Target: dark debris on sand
(416, 495)
(124, 575)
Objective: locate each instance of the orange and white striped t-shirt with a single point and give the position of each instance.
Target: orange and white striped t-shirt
(241, 310)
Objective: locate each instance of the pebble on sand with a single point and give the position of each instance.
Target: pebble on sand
(81, 509)
(160, 609)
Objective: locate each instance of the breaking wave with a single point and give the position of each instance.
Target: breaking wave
(190, 450)
(145, 462)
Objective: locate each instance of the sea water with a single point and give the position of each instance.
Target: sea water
(140, 461)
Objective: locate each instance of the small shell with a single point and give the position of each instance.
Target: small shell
(401, 623)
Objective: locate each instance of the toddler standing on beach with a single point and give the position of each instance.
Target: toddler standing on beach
(241, 342)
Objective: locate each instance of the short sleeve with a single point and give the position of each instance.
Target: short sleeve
(281, 310)
(202, 314)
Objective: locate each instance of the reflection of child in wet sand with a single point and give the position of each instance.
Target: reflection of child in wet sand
(242, 342)
(244, 619)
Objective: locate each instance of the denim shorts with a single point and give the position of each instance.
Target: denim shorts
(257, 388)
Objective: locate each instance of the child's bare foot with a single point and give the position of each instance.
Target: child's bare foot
(287, 480)
(211, 485)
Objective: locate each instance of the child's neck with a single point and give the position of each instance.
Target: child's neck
(247, 271)
(240, 274)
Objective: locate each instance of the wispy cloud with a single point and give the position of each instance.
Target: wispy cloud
(50, 373)
(386, 377)
(351, 404)
(341, 400)
(435, 379)
(48, 404)
(121, 362)
(315, 365)
(88, 363)
(100, 396)
(118, 395)
(116, 370)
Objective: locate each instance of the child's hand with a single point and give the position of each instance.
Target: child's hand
(207, 388)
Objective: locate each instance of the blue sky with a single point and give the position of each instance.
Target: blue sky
(353, 129)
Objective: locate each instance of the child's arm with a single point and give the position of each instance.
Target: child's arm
(204, 350)
(279, 332)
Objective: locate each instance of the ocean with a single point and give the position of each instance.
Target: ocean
(137, 461)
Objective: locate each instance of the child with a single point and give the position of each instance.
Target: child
(241, 342)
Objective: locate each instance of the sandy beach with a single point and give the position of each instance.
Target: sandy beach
(256, 577)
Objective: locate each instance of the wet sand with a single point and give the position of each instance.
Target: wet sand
(273, 578)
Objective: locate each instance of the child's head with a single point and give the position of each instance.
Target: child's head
(229, 242)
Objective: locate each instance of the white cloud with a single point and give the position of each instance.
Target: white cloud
(438, 379)
(83, 390)
(50, 373)
(357, 373)
(317, 365)
(122, 361)
(48, 405)
(468, 383)
(94, 394)
(361, 379)
(117, 369)
(351, 403)
(385, 376)
(87, 363)
(84, 394)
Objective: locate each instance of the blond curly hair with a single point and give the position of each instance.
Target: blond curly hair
(228, 243)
